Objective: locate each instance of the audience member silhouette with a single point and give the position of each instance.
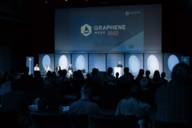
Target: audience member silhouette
(140, 75)
(145, 81)
(132, 105)
(163, 80)
(117, 75)
(125, 81)
(85, 105)
(109, 78)
(127, 78)
(174, 100)
(156, 80)
(95, 82)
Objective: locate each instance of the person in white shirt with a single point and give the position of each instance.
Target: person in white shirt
(85, 105)
(36, 68)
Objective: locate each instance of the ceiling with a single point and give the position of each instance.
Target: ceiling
(17, 10)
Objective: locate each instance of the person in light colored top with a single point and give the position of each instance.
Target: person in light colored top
(131, 105)
(84, 105)
(36, 68)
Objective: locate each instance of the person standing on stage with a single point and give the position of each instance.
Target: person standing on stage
(36, 68)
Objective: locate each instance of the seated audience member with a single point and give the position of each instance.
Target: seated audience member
(163, 80)
(156, 80)
(125, 81)
(116, 75)
(174, 100)
(127, 78)
(84, 105)
(131, 105)
(140, 75)
(109, 78)
(95, 82)
(145, 81)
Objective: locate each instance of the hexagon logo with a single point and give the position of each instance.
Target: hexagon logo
(86, 30)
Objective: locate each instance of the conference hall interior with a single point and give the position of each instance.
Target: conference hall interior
(95, 63)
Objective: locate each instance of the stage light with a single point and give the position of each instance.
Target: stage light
(80, 63)
(152, 63)
(46, 61)
(63, 62)
(134, 64)
(172, 61)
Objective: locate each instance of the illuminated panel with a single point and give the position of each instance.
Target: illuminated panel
(152, 63)
(97, 61)
(63, 62)
(114, 59)
(134, 64)
(46, 61)
(80, 63)
(172, 61)
(119, 70)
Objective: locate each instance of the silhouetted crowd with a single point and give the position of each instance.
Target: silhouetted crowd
(149, 97)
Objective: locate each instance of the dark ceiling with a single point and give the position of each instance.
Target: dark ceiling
(27, 25)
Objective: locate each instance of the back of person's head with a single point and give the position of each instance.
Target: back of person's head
(94, 72)
(126, 70)
(156, 76)
(147, 73)
(163, 74)
(141, 72)
(48, 74)
(109, 70)
(117, 75)
(181, 72)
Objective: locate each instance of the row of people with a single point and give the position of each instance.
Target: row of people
(169, 101)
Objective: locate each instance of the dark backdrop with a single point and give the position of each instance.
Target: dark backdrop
(26, 27)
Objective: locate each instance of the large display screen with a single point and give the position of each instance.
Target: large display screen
(108, 29)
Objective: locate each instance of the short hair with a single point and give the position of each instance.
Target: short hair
(126, 70)
(110, 70)
(180, 72)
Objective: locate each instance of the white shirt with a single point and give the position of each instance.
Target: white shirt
(36, 68)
